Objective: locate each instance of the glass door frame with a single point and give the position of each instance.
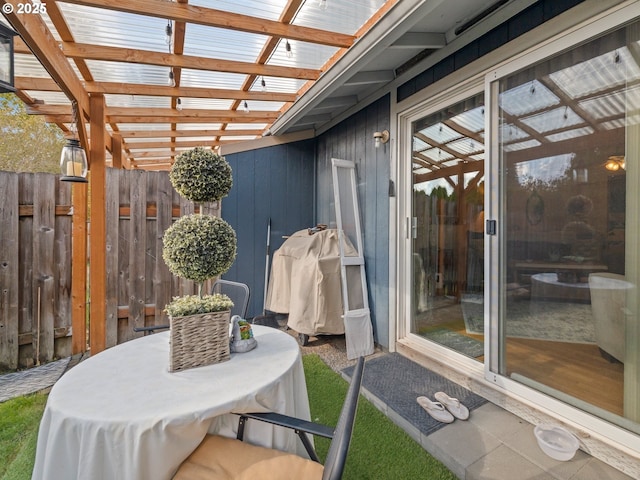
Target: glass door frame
(462, 91)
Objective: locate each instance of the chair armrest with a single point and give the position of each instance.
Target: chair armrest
(301, 427)
(292, 423)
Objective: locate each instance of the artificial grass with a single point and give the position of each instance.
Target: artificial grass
(19, 420)
(379, 449)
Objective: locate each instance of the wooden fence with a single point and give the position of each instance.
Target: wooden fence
(36, 257)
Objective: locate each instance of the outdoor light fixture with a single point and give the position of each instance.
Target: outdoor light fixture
(6, 59)
(579, 170)
(322, 4)
(263, 84)
(169, 32)
(287, 48)
(73, 159)
(245, 107)
(179, 104)
(380, 137)
(171, 81)
(615, 163)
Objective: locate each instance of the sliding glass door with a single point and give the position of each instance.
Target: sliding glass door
(567, 136)
(446, 225)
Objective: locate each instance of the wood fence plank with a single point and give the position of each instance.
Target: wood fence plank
(150, 243)
(43, 265)
(112, 250)
(9, 270)
(63, 258)
(25, 262)
(162, 275)
(137, 248)
(124, 224)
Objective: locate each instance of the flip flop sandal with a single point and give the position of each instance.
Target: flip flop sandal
(457, 409)
(435, 409)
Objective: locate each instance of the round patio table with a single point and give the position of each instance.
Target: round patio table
(122, 415)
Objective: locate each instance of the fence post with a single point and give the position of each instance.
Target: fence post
(79, 268)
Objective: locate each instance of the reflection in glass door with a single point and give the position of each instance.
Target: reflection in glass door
(568, 159)
(448, 227)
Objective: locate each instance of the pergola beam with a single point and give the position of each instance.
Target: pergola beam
(183, 12)
(186, 133)
(147, 57)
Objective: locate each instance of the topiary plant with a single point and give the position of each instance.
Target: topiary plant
(201, 175)
(199, 247)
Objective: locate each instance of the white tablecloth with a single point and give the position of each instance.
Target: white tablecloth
(120, 415)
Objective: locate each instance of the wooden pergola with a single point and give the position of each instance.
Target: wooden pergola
(63, 56)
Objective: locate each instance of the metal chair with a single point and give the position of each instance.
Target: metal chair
(238, 458)
(237, 292)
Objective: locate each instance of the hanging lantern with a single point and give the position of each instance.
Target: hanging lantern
(73, 159)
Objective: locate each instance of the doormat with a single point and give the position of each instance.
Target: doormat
(398, 382)
(460, 343)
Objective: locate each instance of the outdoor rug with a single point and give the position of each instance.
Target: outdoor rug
(460, 343)
(543, 320)
(397, 382)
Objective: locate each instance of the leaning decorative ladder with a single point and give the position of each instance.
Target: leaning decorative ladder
(355, 299)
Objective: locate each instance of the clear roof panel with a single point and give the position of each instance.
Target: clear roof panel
(210, 42)
(343, 16)
(207, 79)
(113, 28)
(270, 10)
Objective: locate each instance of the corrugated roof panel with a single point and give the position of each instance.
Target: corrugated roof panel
(270, 10)
(209, 42)
(128, 72)
(116, 29)
(144, 126)
(205, 103)
(342, 16)
(199, 126)
(137, 101)
(206, 79)
(303, 54)
(258, 105)
(50, 98)
(278, 84)
(28, 66)
(437, 154)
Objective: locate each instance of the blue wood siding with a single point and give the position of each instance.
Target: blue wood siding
(275, 182)
(353, 140)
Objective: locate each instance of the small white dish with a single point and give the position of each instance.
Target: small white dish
(556, 441)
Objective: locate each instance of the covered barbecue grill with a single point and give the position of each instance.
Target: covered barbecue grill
(305, 283)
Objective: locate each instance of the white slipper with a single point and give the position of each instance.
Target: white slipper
(457, 409)
(435, 409)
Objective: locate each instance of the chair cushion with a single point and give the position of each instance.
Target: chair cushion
(227, 458)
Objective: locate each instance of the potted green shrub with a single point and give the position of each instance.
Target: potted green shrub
(199, 247)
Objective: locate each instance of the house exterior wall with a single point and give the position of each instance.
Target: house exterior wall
(275, 182)
(353, 140)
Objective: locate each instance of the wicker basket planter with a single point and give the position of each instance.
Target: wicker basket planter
(198, 340)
